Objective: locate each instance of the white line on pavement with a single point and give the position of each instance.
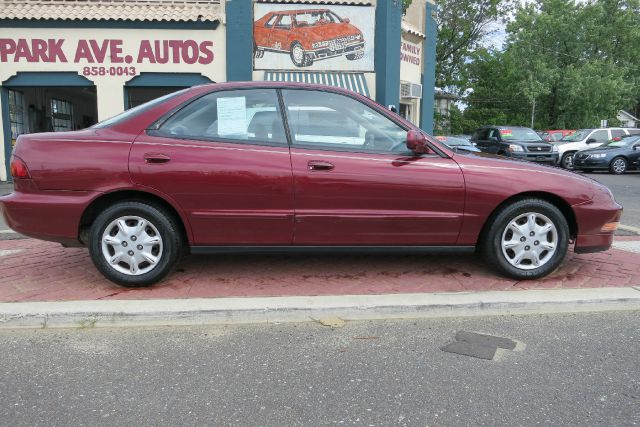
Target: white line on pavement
(629, 228)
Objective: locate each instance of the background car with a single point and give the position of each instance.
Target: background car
(555, 135)
(588, 138)
(307, 36)
(515, 141)
(262, 167)
(615, 156)
(458, 143)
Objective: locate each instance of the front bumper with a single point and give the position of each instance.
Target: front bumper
(550, 157)
(590, 163)
(591, 216)
(325, 52)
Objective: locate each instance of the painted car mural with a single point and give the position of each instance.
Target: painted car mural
(307, 35)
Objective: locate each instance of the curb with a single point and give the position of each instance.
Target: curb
(112, 313)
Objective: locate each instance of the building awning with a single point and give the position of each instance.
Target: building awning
(118, 10)
(352, 81)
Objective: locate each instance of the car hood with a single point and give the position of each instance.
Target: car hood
(601, 149)
(516, 176)
(517, 141)
(330, 31)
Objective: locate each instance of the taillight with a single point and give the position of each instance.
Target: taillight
(19, 168)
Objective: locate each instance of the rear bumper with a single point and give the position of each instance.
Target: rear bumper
(47, 215)
(591, 217)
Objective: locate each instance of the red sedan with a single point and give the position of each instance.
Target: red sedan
(263, 167)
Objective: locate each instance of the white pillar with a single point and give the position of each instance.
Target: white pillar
(3, 170)
(110, 93)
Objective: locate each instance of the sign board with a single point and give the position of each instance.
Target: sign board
(307, 37)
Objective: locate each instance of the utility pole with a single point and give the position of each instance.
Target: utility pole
(533, 112)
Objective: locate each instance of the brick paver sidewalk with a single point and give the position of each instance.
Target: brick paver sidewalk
(31, 270)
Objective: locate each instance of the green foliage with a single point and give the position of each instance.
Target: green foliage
(462, 27)
(579, 62)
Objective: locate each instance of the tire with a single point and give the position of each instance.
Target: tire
(567, 160)
(501, 246)
(618, 166)
(298, 56)
(157, 227)
(354, 56)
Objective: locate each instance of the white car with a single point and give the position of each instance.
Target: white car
(588, 138)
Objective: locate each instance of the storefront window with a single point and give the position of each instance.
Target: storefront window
(16, 114)
(61, 115)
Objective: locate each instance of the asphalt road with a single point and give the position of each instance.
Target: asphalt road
(626, 190)
(568, 370)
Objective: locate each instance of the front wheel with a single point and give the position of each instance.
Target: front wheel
(618, 166)
(567, 161)
(355, 56)
(298, 56)
(134, 243)
(527, 239)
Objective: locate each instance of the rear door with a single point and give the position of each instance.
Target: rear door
(224, 159)
(357, 184)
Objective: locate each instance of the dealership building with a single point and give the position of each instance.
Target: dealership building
(67, 64)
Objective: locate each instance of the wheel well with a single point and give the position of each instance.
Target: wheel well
(106, 200)
(558, 202)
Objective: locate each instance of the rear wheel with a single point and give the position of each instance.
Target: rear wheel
(354, 56)
(527, 239)
(618, 166)
(134, 243)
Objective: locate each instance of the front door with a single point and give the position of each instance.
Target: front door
(356, 183)
(224, 159)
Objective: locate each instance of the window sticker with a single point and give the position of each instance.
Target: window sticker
(506, 132)
(232, 116)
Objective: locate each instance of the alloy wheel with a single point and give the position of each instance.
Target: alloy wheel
(529, 241)
(619, 166)
(132, 245)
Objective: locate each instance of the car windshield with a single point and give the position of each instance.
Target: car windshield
(453, 141)
(136, 110)
(577, 136)
(311, 19)
(624, 142)
(520, 134)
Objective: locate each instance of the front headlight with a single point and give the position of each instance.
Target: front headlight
(514, 148)
(554, 148)
(598, 156)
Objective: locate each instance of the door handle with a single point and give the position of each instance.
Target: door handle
(317, 165)
(156, 158)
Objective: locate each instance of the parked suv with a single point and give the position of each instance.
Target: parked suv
(514, 141)
(588, 138)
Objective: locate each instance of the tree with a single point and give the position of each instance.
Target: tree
(576, 61)
(463, 26)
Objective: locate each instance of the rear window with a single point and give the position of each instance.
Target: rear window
(136, 110)
(519, 134)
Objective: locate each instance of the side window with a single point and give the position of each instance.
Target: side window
(285, 22)
(494, 133)
(483, 134)
(325, 120)
(617, 133)
(270, 22)
(556, 136)
(248, 116)
(600, 136)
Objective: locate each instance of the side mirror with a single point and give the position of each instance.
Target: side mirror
(346, 20)
(417, 142)
(591, 140)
